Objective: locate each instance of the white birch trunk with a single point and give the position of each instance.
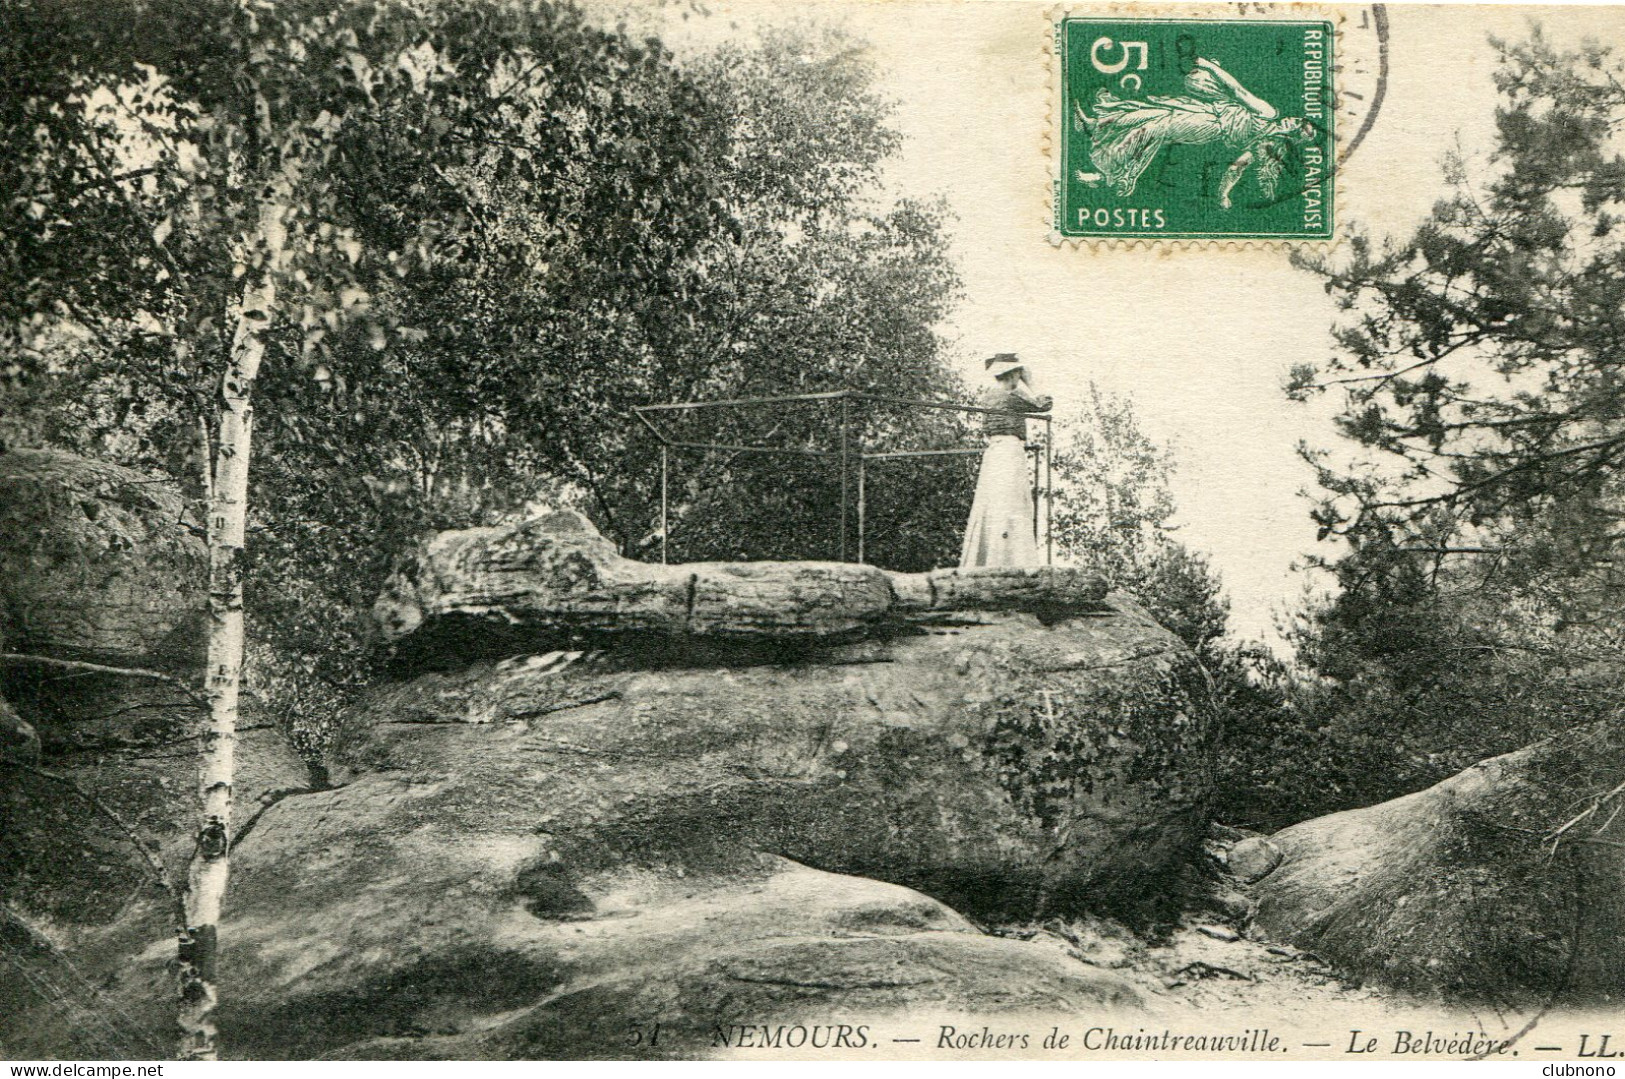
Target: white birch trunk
(227, 527)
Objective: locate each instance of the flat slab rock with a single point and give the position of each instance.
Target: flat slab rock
(556, 573)
(715, 958)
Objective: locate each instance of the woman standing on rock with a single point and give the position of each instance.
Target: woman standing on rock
(1000, 531)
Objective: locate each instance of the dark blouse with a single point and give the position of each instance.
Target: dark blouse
(995, 423)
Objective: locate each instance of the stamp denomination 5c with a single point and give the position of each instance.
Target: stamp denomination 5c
(1194, 129)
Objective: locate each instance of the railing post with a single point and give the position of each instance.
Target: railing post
(1037, 490)
(846, 425)
(1049, 493)
(861, 508)
(665, 526)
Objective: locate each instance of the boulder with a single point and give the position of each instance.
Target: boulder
(1004, 766)
(1471, 889)
(1252, 858)
(97, 563)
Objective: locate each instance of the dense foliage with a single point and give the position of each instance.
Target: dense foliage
(1215, 732)
(1114, 513)
(1481, 371)
(510, 227)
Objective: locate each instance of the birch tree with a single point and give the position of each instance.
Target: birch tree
(190, 186)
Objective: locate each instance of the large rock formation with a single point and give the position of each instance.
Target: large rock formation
(603, 795)
(685, 809)
(1007, 739)
(98, 566)
(1472, 888)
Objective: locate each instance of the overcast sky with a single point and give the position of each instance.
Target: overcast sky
(1202, 340)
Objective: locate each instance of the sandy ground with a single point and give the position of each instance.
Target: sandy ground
(1210, 966)
(1207, 975)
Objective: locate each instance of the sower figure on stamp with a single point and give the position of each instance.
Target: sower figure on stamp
(1000, 530)
(1127, 134)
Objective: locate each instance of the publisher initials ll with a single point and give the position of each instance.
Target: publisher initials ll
(1601, 1050)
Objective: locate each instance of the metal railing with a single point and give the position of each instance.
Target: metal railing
(1043, 483)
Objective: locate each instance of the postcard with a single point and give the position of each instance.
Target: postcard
(831, 529)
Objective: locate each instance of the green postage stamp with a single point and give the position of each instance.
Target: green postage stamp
(1194, 129)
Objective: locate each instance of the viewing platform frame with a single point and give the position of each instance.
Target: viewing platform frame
(1043, 486)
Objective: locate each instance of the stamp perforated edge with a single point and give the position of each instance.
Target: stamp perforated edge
(1255, 12)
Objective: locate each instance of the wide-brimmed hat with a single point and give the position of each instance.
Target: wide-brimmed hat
(1002, 364)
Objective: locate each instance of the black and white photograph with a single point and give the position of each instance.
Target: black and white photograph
(824, 530)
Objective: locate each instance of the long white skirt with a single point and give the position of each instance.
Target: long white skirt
(1000, 531)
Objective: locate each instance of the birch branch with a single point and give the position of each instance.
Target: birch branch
(23, 658)
(159, 873)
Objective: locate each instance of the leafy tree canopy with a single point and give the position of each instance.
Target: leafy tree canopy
(1114, 512)
(506, 228)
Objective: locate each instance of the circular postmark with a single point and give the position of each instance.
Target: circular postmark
(1362, 75)
(1360, 86)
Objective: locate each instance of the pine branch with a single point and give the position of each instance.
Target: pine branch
(1597, 803)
